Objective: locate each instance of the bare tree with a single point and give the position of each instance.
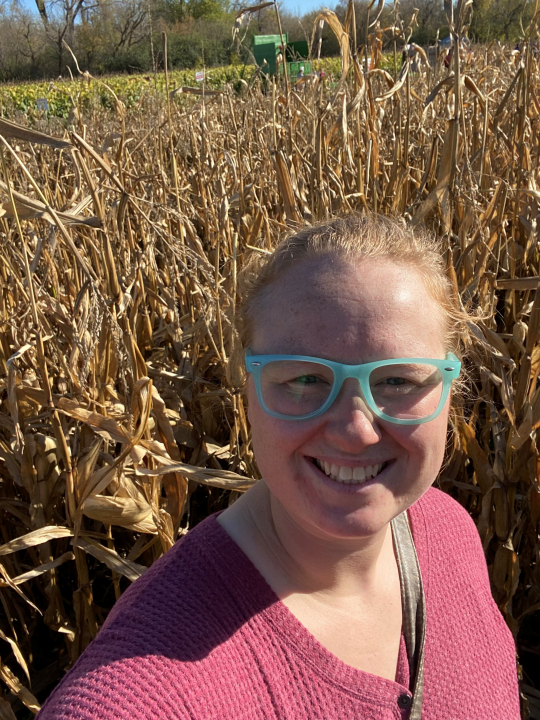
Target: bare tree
(128, 23)
(59, 18)
(112, 27)
(23, 40)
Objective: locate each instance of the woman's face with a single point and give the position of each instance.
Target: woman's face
(352, 312)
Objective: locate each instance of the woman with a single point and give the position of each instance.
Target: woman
(309, 597)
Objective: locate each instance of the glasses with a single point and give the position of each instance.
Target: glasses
(406, 391)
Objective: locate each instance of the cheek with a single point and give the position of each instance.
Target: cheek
(264, 429)
(258, 419)
(432, 441)
(424, 444)
(274, 441)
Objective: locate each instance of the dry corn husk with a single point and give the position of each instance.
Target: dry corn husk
(121, 420)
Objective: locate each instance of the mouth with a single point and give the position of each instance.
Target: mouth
(349, 475)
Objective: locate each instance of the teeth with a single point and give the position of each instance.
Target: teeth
(348, 475)
(345, 474)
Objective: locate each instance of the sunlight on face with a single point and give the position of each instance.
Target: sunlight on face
(351, 313)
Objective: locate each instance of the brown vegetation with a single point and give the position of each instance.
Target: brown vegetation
(121, 423)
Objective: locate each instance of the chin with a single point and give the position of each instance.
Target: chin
(341, 524)
(357, 526)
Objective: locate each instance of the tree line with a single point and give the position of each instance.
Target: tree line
(111, 36)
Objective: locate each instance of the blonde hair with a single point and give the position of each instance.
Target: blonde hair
(355, 237)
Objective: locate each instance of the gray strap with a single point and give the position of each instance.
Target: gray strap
(414, 608)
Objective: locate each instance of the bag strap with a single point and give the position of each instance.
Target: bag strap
(414, 608)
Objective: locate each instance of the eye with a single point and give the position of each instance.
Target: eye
(395, 381)
(306, 379)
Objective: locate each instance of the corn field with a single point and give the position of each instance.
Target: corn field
(122, 422)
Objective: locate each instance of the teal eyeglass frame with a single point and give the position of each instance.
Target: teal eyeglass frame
(450, 368)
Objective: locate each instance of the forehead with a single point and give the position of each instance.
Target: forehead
(349, 310)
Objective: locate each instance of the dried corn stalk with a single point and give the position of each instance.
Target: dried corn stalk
(120, 426)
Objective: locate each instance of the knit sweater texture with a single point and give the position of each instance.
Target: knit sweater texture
(202, 636)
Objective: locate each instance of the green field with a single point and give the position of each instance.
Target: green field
(87, 92)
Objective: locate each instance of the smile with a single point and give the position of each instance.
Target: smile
(349, 475)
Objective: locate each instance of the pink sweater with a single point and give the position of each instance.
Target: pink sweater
(201, 635)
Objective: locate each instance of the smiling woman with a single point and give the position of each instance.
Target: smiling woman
(342, 585)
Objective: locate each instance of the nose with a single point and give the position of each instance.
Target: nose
(351, 425)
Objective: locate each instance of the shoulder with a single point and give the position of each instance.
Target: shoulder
(171, 621)
(442, 513)
(196, 579)
(187, 556)
(447, 542)
(441, 521)
(163, 586)
(470, 651)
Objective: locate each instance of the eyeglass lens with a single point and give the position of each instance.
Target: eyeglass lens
(404, 391)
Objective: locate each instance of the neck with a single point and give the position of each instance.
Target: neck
(295, 559)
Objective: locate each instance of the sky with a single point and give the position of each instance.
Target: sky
(301, 8)
(30, 4)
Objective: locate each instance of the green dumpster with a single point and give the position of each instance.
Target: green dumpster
(266, 48)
